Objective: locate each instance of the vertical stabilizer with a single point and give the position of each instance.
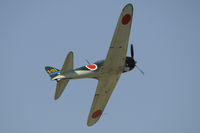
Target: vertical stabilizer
(53, 72)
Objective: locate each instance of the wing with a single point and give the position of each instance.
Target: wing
(116, 56)
(113, 65)
(103, 92)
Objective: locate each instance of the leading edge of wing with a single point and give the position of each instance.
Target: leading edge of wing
(113, 65)
(105, 87)
(116, 56)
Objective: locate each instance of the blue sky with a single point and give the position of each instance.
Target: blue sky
(165, 34)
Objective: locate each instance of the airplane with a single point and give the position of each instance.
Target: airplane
(107, 71)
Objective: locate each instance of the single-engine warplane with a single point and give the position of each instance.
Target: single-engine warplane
(107, 71)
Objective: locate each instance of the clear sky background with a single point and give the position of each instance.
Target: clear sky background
(166, 38)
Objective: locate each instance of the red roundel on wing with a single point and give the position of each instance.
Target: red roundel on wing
(92, 66)
(126, 19)
(96, 114)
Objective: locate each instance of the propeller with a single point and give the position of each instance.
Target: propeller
(132, 55)
(140, 70)
(132, 51)
(87, 61)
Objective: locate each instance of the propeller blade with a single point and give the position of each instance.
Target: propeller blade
(132, 52)
(140, 70)
(87, 61)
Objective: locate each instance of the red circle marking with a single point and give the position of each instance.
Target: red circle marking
(92, 66)
(126, 19)
(96, 114)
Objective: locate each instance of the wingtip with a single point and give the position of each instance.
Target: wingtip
(89, 124)
(128, 5)
(56, 97)
(71, 52)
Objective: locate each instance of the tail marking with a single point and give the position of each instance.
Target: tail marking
(53, 71)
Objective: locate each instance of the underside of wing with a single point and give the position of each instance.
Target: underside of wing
(61, 84)
(116, 56)
(103, 92)
(113, 65)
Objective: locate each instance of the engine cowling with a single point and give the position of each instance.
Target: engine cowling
(129, 64)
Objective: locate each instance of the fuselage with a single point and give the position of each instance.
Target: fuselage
(93, 70)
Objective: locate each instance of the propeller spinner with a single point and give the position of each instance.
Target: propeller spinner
(130, 61)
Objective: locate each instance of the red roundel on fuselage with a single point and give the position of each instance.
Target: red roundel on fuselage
(92, 66)
(126, 19)
(96, 114)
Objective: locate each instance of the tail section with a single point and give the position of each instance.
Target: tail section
(68, 64)
(58, 74)
(53, 72)
(60, 86)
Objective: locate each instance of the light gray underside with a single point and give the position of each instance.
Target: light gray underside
(113, 65)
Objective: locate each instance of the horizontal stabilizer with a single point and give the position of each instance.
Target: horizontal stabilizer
(67, 67)
(61, 84)
(68, 64)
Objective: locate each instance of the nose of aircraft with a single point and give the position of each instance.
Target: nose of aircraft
(130, 62)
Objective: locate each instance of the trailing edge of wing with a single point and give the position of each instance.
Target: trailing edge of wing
(103, 92)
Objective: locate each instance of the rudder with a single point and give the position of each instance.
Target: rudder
(53, 72)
